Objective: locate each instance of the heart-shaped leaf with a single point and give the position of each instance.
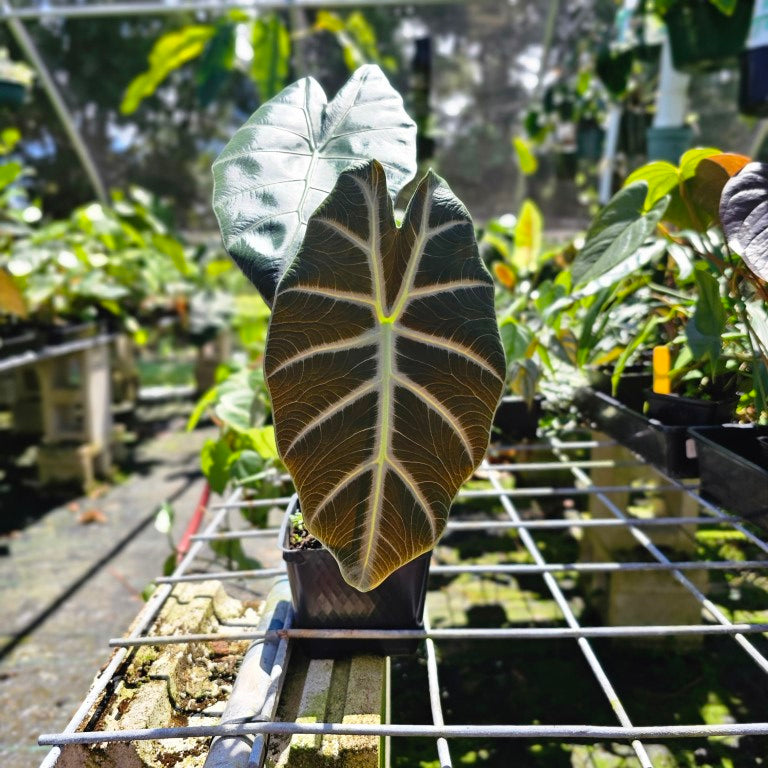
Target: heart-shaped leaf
(744, 215)
(283, 162)
(385, 367)
(616, 233)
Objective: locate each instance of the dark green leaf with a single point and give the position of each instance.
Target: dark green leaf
(271, 55)
(744, 215)
(216, 63)
(704, 329)
(282, 163)
(385, 368)
(215, 460)
(516, 339)
(616, 233)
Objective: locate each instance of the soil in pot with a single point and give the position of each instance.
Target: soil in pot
(323, 600)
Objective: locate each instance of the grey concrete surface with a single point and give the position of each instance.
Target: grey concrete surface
(67, 586)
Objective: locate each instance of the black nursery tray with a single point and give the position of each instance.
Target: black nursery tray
(514, 420)
(669, 448)
(734, 473)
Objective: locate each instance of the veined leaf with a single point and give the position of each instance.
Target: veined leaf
(660, 176)
(384, 366)
(744, 214)
(283, 162)
(616, 233)
(528, 234)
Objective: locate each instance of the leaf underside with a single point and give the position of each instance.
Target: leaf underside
(744, 215)
(385, 367)
(283, 162)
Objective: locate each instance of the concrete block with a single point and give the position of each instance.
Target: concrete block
(168, 685)
(348, 690)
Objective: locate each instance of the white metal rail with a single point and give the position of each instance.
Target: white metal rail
(192, 568)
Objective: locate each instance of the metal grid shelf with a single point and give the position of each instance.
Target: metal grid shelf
(744, 634)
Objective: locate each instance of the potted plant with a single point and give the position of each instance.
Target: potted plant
(383, 359)
(691, 234)
(705, 34)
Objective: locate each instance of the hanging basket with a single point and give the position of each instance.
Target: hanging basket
(702, 38)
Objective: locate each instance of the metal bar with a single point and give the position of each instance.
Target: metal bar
(143, 621)
(465, 633)
(487, 494)
(544, 445)
(28, 47)
(546, 466)
(490, 525)
(594, 732)
(706, 603)
(435, 700)
(30, 357)
(584, 646)
(508, 568)
(106, 10)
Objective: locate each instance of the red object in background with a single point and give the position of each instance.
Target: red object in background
(194, 523)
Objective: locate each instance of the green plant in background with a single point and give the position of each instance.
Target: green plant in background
(687, 242)
(269, 44)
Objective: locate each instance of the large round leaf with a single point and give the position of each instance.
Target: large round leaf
(283, 162)
(744, 215)
(384, 366)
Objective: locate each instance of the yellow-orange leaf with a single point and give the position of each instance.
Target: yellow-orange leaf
(11, 299)
(504, 274)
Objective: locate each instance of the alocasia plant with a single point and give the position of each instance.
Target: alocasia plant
(283, 162)
(383, 357)
(385, 367)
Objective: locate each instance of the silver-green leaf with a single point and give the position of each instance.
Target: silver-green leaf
(385, 367)
(283, 162)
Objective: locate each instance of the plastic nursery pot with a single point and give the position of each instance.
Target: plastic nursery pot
(634, 381)
(516, 420)
(12, 93)
(733, 469)
(668, 448)
(668, 143)
(675, 410)
(702, 38)
(323, 600)
(762, 443)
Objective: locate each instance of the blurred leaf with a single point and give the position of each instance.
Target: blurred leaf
(200, 408)
(683, 256)
(170, 52)
(174, 250)
(164, 518)
(271, 55)
(516, 340)
(263, 442)
(504, 274)
(528, 236)
(660, 176)
(616, 233)
(744, 214)
(232, 549)
(705, 328)
(706, 187)
(216, 63)
(9, 172)
(215, 458)
(11, 298)
(689, 161)
(525, 157)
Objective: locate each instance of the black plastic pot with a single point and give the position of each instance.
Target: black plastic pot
(515, 420)
(18, 342)
(675, 410)
(702, 38)
(63, 334)
(763, 444)
(323, 600)
(733, 474)
(634, 382)
(669, 448)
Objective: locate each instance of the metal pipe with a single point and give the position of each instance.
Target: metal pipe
(572, 621)
(103, 10)
(464, 633)
(435, 703)
(593, 732)
(28, 47)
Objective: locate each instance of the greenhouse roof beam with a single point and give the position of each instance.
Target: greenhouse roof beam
(152, 7)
